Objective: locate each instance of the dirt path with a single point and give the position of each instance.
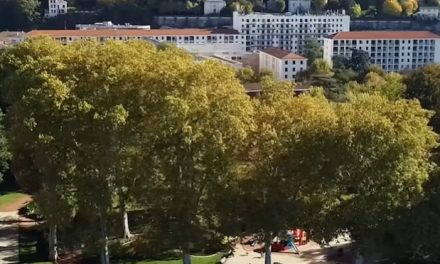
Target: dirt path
(16, 205)
(9, 223)
(9, 237)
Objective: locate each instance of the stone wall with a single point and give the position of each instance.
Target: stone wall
(192, 21)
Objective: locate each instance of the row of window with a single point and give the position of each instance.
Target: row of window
(374, 42)
(306, 20)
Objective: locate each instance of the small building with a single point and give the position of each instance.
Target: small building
(299, 6)
(284, 65)
(10, 38)
(110, 25)
(428, 12)
(213, 6)
(55, 8)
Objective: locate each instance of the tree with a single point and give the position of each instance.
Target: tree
(312, 50)
(276, 5)
(37, 133)
(356, 10)
(246, 75)
(283, 187)
(424, 84)
(319, 4)
(5, 154)
(386, 158)
(390, 86)
(320, 66)
(409, 7)
(360, 60)
(392, 8)
(203, 124)
(18, 15)
(101, 111)
(30, 9)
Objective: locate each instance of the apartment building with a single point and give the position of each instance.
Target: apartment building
(284, 64)
(299, 6)
(56, 7)
(393, 50)
(213, 6)
(287, 31)
(227, 43)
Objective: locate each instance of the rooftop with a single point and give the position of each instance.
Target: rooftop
(282, 54)
(384, 35)
(130, 32)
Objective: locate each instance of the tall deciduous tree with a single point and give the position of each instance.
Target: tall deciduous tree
(424, 85)
(392, 8)
(201, 124)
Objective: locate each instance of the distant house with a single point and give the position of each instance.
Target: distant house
(213, 6)
(428, 12)
(55, 8)
(9, 38)
(284, 65)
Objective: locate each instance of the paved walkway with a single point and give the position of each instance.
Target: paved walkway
(9, 237)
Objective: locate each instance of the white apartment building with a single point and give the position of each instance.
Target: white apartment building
(226, 43)
(428, 12)
(56, 7)
(213, 6)
(287, 31)
(299, 6)
(393, 50)
(284, 65)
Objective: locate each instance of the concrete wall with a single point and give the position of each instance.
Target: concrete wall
(362, 24)
(193, 21)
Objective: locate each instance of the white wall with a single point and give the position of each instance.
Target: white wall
(283, 69)
(213, 6)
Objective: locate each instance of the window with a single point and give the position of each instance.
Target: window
(286, 69)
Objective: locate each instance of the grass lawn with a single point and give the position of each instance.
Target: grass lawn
(195, 260)
(10, 197)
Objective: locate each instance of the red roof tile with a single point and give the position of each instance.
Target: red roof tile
(282, 54)
(384, 35)
(130, 32)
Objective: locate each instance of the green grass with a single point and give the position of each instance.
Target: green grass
(10, 197)
(195, 260)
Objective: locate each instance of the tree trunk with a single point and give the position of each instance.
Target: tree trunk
(127, 233)
(267, 249)
(105, 258)
(53, 248)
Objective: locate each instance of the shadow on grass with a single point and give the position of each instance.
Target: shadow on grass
(32, 247)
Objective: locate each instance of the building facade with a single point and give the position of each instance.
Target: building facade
(284, 65)
(299, 6)
(56, 7)
(392, 50)
(10, 38)
(428, 12)
(227, 43)
(213, 6)
(287, 31)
